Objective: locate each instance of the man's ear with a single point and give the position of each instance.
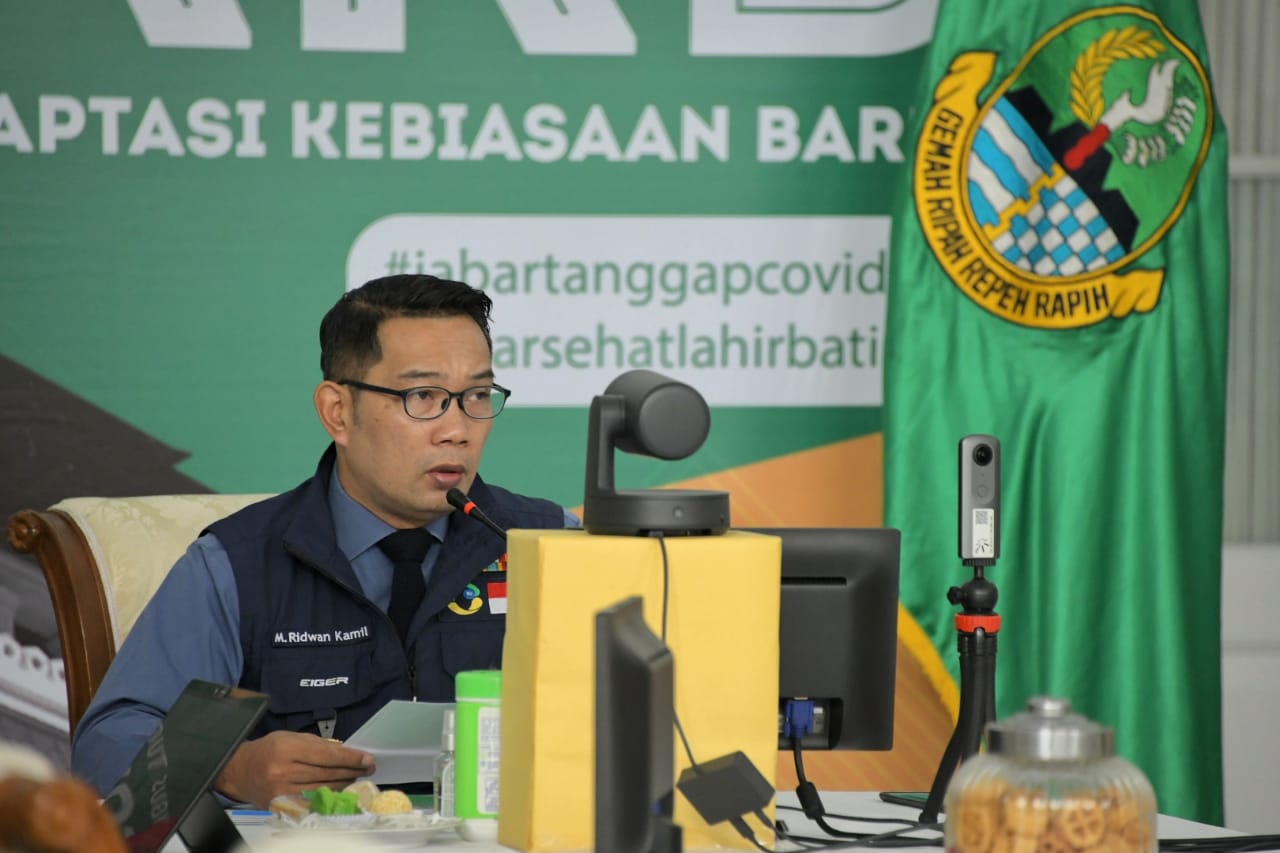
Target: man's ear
(333, 405)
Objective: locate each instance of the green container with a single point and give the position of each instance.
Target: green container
(477, 752)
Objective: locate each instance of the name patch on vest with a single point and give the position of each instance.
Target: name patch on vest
(320, 638)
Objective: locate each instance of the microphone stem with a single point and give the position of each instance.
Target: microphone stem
(459, 500)
(486, 521)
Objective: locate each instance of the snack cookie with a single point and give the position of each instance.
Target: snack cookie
(1025, 812)
(976, 826)
(996, 818)
(1081, 822)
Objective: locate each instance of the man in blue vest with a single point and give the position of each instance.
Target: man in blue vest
(360, 586)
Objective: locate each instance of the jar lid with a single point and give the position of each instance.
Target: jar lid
(1049, 731)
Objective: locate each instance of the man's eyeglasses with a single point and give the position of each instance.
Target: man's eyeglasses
(428, 402)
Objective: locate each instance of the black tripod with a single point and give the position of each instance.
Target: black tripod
(976, 628)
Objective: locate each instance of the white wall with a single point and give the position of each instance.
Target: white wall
(1251, 685)
(1242, 36)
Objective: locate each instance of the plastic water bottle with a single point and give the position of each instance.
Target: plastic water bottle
(478, 751)
(443, 777)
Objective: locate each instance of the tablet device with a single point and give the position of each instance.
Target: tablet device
(167, 788)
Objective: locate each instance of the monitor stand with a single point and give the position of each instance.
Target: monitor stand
(668, 837)
(207, 829)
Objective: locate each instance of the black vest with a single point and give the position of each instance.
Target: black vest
(320, 649)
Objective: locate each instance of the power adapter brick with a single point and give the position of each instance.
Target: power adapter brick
(725, 788)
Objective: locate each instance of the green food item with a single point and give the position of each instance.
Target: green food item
(326, 801)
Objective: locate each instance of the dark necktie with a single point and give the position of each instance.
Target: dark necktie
(406, 548)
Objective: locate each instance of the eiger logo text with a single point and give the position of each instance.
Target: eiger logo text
(323, 682)
(570, 27)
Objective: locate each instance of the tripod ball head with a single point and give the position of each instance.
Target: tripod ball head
(977, 596)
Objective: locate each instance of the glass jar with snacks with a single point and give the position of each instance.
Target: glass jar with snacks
(1049, 782)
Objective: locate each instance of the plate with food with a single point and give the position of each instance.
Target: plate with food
(385, 817)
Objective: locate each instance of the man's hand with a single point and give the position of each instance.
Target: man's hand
(287, 763)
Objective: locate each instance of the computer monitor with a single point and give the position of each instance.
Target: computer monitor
(838, 632)
(634, 760)
(167, 787)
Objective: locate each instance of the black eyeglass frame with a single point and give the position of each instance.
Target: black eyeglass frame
(449, 397)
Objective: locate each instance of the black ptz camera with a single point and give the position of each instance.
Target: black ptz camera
(649, 414)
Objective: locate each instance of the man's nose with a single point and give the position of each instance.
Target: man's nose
(453, 425)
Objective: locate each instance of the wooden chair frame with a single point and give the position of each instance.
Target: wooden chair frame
(79, 599)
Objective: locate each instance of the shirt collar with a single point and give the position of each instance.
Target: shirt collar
(357, 528)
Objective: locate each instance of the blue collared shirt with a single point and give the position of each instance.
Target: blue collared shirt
(191, 629)
(359, 532)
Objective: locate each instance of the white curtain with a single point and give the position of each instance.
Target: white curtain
(1244, 58)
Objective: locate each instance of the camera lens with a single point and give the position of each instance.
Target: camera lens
(982, 454)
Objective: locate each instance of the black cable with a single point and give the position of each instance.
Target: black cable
(745, 831)
(859, 818)
(806, 791)
(675, 718)
(666, 587)
(840, 833)
(780, 832)
(1258, 842)
(892, 838)
(1222, 844)
(784, 832)
(885, 840)
(811, 806)
(666, 579)
(811, 800)
(804, 842)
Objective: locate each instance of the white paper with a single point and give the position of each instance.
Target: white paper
(404, 740)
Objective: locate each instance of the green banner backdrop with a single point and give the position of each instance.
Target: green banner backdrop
(702, 188)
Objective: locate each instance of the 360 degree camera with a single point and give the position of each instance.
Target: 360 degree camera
(979, 499)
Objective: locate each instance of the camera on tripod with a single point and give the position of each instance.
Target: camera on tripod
(977, 624)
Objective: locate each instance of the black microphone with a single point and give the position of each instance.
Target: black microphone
(459, 500)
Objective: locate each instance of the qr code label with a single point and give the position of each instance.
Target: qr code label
(984, 533)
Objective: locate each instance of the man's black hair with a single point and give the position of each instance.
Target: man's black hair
(349, 331)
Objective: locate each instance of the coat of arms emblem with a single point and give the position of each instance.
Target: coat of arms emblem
(1040, 200)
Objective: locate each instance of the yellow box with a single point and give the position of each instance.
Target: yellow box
(722, 628)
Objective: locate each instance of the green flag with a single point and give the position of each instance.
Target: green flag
(1060, 281)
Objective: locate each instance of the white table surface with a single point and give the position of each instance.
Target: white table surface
(259, 837)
